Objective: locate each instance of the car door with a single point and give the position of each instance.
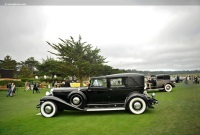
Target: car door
(159, 81)
(118, 89)
(98, 91)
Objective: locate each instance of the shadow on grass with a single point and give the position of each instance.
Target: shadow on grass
(155, 91)
(101, 113)
(92, 113)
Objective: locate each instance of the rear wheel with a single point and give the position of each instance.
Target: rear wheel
(48, 109)
(168, 87)
(137, 105)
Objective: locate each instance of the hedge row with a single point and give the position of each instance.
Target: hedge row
(41, 79)
(17, 83)
(30, 80)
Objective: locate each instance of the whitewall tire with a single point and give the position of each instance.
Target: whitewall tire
(48, 109)
(168, 87)
(137, 105)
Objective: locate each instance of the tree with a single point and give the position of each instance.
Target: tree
(107, 70)
(25, 72)
(51, 67)
(31, 63)
(27, 68)
(8, 63)
(80, 58)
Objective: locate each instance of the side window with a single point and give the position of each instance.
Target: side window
(131, 82)
(167, 77)
(160, 77)
(117, 82)
(99, 82)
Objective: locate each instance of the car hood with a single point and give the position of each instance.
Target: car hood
(68, 89)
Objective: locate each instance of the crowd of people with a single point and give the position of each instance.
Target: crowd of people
(61, 84)
(193, 79)
(33, 86)
(36, 86)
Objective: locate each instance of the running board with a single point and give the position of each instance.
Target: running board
(104, 109)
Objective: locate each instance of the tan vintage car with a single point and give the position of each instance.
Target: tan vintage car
(160, 82)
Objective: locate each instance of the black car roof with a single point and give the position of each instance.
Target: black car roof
(121, 75)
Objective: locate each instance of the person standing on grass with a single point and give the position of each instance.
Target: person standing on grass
(9, 89)
(12, 89)
(187, 79)
(34, 88)
(53, 84)
(37, 88)
(27, 86)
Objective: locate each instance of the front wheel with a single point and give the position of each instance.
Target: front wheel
(48, 109)
(137, 105)
(168, 87)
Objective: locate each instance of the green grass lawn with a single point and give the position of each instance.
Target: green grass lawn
(178, 113)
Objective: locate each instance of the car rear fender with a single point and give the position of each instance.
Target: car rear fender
(171, 83)
(134, 95)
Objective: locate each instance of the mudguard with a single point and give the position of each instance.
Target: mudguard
(81, 94)
(171, 83)
(135, 94)
(56, 99)
(78, 92)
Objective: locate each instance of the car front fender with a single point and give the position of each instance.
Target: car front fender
(78, 92)
(57, 100)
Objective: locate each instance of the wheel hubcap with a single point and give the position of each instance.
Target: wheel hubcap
(137, 105)
(76, 100)
(48, 109)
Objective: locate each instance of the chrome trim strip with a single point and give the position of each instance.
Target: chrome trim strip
(105, 109)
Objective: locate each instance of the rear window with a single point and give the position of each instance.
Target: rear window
(117, 82)
(131, 82)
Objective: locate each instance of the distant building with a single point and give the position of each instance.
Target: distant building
(6, 73)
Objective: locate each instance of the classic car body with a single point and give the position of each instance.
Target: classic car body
(161, 82)
(111, 92)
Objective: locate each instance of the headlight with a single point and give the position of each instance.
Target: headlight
(153, 94)
(51, 91)
(48, 93)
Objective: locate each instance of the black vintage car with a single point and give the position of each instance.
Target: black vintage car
(111, 92)
(160, 82)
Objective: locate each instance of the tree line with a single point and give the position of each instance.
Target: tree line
(74, 58)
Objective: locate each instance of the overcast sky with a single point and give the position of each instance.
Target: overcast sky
(130, 37)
